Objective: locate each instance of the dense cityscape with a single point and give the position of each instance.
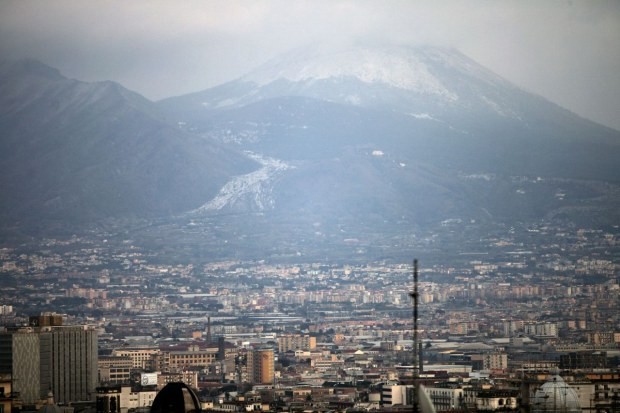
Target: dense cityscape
(324, 206)
(493, 328)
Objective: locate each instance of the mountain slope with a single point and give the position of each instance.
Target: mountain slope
(410, 135)
(405, 97)
(78, 151)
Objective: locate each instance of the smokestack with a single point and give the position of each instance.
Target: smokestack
(209, 330)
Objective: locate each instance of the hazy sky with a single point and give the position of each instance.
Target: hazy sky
(567, 51)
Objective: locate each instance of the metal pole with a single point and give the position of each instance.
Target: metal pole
(416, 355)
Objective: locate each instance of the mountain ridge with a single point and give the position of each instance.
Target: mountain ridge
(78, 151)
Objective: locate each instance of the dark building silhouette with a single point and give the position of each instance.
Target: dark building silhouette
(585, 360)
(176, 397)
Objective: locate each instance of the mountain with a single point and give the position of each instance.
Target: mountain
(394, 138)
(366, 151)
(73, 152)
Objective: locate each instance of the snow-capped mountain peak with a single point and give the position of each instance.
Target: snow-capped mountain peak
(440, 82)
(395, 67)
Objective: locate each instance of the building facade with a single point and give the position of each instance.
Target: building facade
(73, 356)
(20, 357)
(446, 398)
(292, 342)
(260, 366)
(142, 358)
(62, 359)
(193, 357)
(114, 370)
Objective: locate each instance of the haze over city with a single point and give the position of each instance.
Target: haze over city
(229, 206)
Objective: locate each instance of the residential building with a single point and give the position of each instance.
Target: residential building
(446, 398)
(294, 342)
(142, 358)
(114, 369)
(260, 366)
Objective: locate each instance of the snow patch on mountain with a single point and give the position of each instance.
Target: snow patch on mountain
(499, 109)
(254, 188)
(251, 134)
(422, 116)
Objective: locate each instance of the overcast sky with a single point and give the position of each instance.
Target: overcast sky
(566, 51)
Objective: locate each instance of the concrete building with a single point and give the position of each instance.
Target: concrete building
(292, 342)
(497, 400)
(6, 309)
(192, 357)
(602, 337)
(73, 356)
(541, 329)
(121, 399)
(187, 376)
(446, 398)
(142, 358)
(114, 370)
(512, 327)
(56, 358)
(260, 366)
(583, 360)
(495, 361)
(605, 397)
(6, 399)
(396, 395)
(20, 357)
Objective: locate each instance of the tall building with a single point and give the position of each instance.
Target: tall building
(21, 358)
(260, 366)
(73, 352)
(62, 359)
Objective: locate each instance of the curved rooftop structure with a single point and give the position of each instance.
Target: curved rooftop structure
(50, 407)
(176, 397)
(555, 396)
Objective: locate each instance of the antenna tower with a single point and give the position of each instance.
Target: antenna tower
(416, 353)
